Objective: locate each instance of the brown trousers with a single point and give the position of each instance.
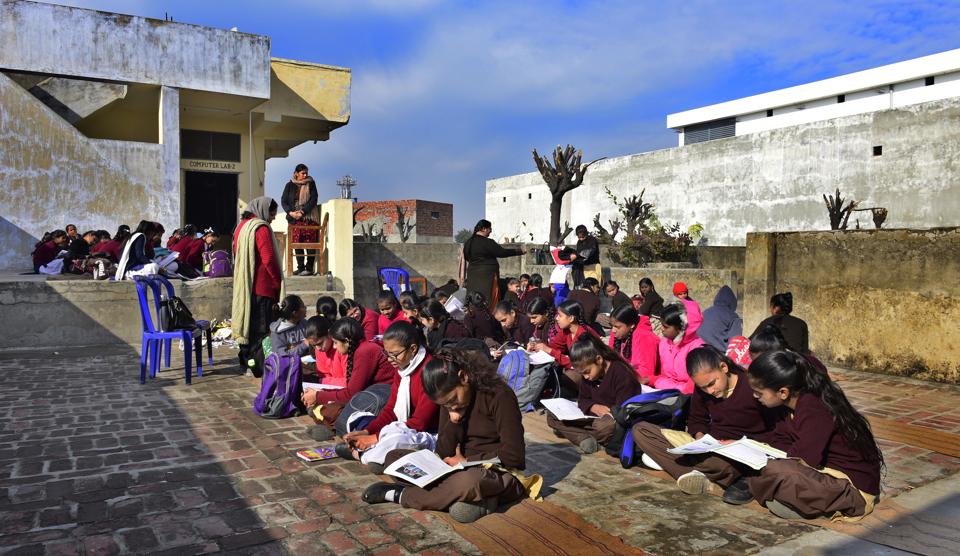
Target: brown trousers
(651, 441)
(601, 428)
(474, 484)
(806, 490)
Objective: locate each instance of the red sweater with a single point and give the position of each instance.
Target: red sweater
(191, 251)
(370, 323)
(424, 414)
(384, 322)
(370, 366)
(45, 253)
(730, 418)
(267, 276)
(109, 247)
(559, 346)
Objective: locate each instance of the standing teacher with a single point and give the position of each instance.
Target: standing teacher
(299, 201)
(483, 271)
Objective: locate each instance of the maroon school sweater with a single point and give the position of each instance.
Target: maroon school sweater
(730, 418)
(522, 330)
(618, 385)
(811, 435)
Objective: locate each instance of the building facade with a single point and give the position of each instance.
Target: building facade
(893, 142)
(433, 222)
(109, 119)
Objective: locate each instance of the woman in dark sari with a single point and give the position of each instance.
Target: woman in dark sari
(483, 271)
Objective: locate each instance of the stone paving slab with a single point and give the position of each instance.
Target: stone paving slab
(91, 462)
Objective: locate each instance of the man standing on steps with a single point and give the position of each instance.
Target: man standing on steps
(257, 281)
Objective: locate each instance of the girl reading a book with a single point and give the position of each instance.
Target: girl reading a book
(368, 318)
(542, 317)
(479, 419)
(571, 326)
(516, 325)
(409, 417)
(632, 337)
(286, 333)
(722, 406)
(317, 333)
(368, 375)
(833, 461)
(608, 381)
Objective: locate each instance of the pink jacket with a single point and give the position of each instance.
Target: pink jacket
(673, 363)
(694, 314)
(643, 349)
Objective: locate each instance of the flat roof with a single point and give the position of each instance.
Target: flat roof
(934, 64)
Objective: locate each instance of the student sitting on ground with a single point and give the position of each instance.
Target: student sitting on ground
(439, 324)
(632, 337)
(607, 382)
(78, 252)
(409, 416)
(833, 465)
(587, 296)
(721, 323)
(479, 419)
(571, 326)
(678, 340)
(524, 287)
(652, 304)
(722, 406)
(368, 318)
(512, 295)
(389, 308)
(327, 359)
(46, 251)
(617, 298)
(368, 375)
(794, 330)
(410, 307)
(694, 313)
(536, 290)
(543, 318)
(480, 323)
(287, 332)
(138, 251)
(190, 247)
(516, 326)
(113, 247)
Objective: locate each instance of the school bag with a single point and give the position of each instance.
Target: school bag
(526, 381)
(216, 264)
(174, 314)
(664, 408)
(280, 389)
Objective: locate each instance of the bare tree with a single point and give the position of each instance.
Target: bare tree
(565, 173)
(404, 226)
(357, 211)
(839, 214)
(636, 213)
(879, 215)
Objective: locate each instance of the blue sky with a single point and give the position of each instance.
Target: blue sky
(448, 94)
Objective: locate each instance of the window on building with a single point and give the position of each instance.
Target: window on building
(877, 150)
(209, 145)
(841, 98)
(708, 131)
(769, 113)
(435, 214)
(504, 199)
(529, 195)
(930, 80)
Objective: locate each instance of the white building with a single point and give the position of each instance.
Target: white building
(887, 137)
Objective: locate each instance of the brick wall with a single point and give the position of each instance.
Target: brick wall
(427, 225)
(386, 210)
(421, 211)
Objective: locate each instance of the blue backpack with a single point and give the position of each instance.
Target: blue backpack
(280, 389)
(526, 381)
(664, 408)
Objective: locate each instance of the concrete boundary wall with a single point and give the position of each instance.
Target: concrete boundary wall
(880, 300)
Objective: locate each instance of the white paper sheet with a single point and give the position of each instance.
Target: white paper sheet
(565, 410)
(424, 467)
(541, 358)
(318, 386)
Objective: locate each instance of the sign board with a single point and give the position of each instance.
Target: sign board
(209, 165)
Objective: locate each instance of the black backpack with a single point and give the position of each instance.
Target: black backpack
(174, 315)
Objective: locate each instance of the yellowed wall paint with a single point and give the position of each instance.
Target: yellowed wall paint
(304, 90)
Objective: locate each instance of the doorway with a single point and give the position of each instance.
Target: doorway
(211, 200)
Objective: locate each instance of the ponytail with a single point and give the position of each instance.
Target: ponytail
(786, 369)
(783, 301)
(574, 309)
(290, 305)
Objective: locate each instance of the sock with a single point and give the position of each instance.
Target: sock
(394, 495)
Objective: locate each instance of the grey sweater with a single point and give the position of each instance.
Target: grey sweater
(286, 338)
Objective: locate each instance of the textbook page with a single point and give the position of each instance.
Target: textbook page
(540, 358)
(703, 445)
(748, 452)
(424, 467)
(318, 386)
(565, 410)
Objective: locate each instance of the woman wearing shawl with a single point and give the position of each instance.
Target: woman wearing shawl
(257, 280)
(299, 201)
(483, 271)
(721, 323)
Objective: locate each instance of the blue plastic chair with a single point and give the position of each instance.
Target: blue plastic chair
(203, 326)
(397, 279)
(152, 337)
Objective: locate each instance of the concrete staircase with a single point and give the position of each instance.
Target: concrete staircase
(309, 288)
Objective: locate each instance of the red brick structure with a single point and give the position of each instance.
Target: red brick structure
(434, 221)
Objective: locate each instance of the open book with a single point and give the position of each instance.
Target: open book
(565, 410)
(748, 452)
(318, 386)
(424, 467)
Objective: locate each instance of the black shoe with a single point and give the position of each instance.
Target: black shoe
(738, 493)
(377, 492)
(344, 451)
(376, 468)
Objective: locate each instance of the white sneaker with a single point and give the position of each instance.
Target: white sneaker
(648, 461)
(693, 482)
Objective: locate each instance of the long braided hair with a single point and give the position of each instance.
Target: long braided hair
(540, 306)
(348, 330)
(629, 316)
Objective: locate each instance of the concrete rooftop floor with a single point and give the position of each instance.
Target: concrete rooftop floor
(91, 462)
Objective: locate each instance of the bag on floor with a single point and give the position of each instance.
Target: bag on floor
(664, 408)
(217, 264)
(280, 389)
(174, 315)
(526, 381)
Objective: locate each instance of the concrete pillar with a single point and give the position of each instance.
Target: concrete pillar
(760, 278)
(169, 211)
(340, 243)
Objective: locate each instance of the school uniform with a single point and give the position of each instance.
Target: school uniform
(450, 329)
(492, 427)
(370, 366)
(110, 248)
(384, 322)
(619, 300)
(730, 418)
(191, 251)
(809, 482)
(522, 330)
(618, 385)
(370, 321)
(652, 305)
(44, 253)
(533, 293)
(590, 302)
(794, 331)
(480, 324)
(559, 345)
(641, 349)
(546, 333)
(512, 298)
(331, 366)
